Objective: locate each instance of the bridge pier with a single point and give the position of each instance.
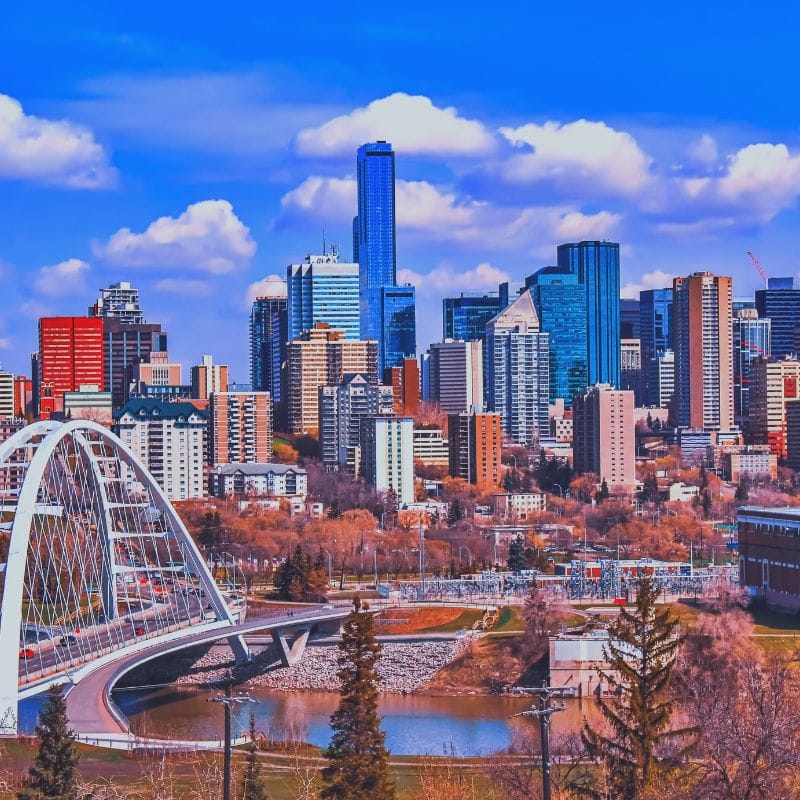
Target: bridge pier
(240, 649)
(291, 651)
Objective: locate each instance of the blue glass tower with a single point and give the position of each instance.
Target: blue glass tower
(597, 266)
(780, 302)
(655, 333)
(374, 243)
(560, 302)
(465, 317)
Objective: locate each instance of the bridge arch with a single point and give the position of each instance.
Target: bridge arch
(93, 559)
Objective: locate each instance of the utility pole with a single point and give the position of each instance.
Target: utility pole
(421, 561)
(228, 700)
(544, 712)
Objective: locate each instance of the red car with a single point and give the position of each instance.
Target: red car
(27, 652)
(139, 630)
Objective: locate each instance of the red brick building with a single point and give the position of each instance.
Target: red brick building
(475, 442)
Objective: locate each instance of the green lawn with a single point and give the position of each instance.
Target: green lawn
(466, 619)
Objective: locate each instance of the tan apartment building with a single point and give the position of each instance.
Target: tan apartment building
(240, 428)
(475, 441)
(774, 384)
(208, 377)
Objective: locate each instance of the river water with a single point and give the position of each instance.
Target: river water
(465, 726)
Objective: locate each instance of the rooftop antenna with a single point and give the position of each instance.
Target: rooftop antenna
(324, 247)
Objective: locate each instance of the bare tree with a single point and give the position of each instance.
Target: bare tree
(439, 779)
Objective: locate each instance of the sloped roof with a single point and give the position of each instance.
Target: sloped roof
(520, 311)
(260, 469)
(150, 408)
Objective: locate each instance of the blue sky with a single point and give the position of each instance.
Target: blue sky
(195, 149)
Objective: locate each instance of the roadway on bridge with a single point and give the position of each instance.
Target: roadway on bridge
(89, 706)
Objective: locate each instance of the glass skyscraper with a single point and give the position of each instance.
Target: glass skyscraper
(597, 266)
(322, 289)
(269, 332)
(751, 340)
(374, 244)
(780, 302)
(560, 302)
(655, 333)
(465, 317)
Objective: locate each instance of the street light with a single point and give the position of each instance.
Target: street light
(330, 566)
(464, 547)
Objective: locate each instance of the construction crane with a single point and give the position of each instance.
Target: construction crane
(759, 268)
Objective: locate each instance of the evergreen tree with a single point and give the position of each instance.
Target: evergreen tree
(252, 787)
(455, 512)
(650, 489)
(703, 477)
(53, 775)
(603, 492)
(641, 652)
(517, 560)
(743, 490)
(357, 757)
(706, 503)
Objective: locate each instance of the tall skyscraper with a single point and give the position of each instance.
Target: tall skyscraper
(629, 318)
(240, 428)
(774, 384)
(387, 311)
(475, 443)
(456, 375)
(597, 266)
(121, 301)
(703, 337)
(320, 357)
(604, 434)
(518, 370)
(560, 303)
(780, 302)
(655, 334)
(465, 317)
(208, 377)
(323, 289)
(70, 355)
(751, 340)
(269, 334)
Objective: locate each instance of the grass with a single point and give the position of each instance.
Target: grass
(466, 619)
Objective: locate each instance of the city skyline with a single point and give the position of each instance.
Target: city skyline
(239, 158)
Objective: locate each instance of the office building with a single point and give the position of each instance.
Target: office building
(631, 367)
(793, 435)
(748, 461)
(323, 289)
(456, 375)
(604, 434)
(751, 340)
(703, 338)
(88, 402)
(661, 379)
(475, 444)
(23, 397)
(597, 266)
(170, 440)
(269, 335)
(119, 301)
(341, 409)
(387, 311)
(465, 317)
(431, 447)
(259, 480)
(6, 394)
(655, 335)
(774, 384)
(155, 376)
(405, 384)
(208, 377)
(560, 303)
(629, 318)
(70, 354)
(387, 455)
(518, 370)
(780, 303)
(321, 357)
(240, 428)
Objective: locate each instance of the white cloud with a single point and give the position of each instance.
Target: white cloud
(412, 123)
(445, 277)
(324, 198)
(577, 225)
(657, 279)
(421, 205)
(66, 277)
(183, 286)
(271, 286)
(579, 158)
(703, 152)
(55, 152)
(207, 237)
(6, 344)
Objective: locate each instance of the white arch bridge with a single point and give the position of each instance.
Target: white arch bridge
(96, 565)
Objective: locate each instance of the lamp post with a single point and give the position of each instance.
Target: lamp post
(421, 560)
(330, 566)
(464, 547)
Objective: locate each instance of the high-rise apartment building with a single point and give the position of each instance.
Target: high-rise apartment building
(655, 334)
(70, 354)
(465, 317)
(661, 379)
(774, 384)
(603, 437)
(703, 337)
(240, 428)
(269, 335)
(405, 383)
(751, 340)
(23, 396)
(170, 440)
(456, 375)
(208, 377)
(6, 394)
(341, 409)
(387, 311)
(387, 455)
(321, 357)
(431, 447)
(323, 289)
(780, 303)
(120, 301)
(475, 442)
(597, 266)
(518, 370)
(560, 303)
(631, 367)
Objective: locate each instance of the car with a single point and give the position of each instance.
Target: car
(27, 652)
(139, 630)
(68, 639)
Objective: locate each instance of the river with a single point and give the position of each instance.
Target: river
(471, 725)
